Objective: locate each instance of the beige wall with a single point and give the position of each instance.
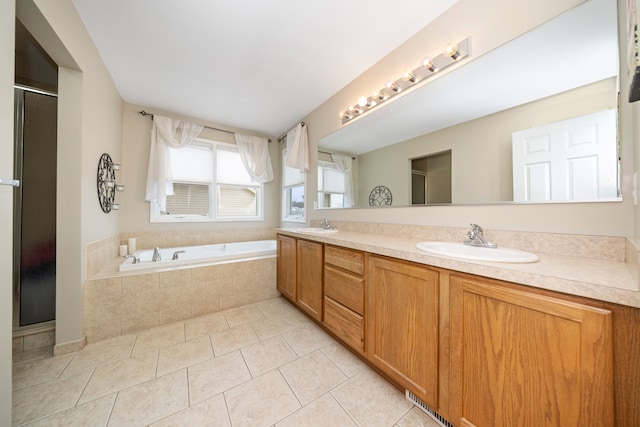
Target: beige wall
(486, 23)
(134, 211)
(7, 22)
(481, 148)
(89, 124)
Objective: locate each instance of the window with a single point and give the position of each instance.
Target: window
(293, 183)
(331, 186)
(210, 183)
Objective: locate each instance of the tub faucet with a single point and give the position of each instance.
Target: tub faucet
(476, 238)
(156, 255)
(136, 259)
(175, 254)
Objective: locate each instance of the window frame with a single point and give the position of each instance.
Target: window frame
(286, 194)
(329, 165)
(156, 217)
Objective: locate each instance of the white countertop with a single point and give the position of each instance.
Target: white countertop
(600, 279)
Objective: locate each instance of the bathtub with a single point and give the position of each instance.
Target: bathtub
(203, 254)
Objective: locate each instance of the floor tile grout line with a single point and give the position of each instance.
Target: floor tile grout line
(113, 407)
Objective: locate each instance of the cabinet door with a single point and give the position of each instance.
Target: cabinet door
(287, 267)
(402, 324)
(309, 292)
(523, 359)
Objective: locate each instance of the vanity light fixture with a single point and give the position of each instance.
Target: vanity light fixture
(411, 78)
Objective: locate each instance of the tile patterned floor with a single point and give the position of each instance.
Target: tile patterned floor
(264, 364)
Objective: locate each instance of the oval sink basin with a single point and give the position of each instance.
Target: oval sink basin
(476, 253)
(317, 230)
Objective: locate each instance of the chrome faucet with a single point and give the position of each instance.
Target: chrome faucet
(324, 224)
(175, 254)
(476, 238)
(156, 255)
(136, 259)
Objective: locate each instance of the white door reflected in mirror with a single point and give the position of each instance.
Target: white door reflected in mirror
(569, 160)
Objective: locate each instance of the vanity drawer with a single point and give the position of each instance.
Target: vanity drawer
(345, 288)
(343, 322)
(347, 259)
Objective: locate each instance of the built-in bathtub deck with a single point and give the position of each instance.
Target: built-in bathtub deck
(117, 303)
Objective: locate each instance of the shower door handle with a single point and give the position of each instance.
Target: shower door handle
(11, 182)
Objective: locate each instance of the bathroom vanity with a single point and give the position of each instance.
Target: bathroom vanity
(478, 350)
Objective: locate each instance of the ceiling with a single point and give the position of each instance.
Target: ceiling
(253, 64)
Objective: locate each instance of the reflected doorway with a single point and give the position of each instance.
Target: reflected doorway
(431, 179)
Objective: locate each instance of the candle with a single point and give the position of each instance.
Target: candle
(123, 250)
(132, 245)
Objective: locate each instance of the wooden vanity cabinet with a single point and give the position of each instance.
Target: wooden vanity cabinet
(309, 278)
(344, 295)
(520, 358)
(402, 303)
(299, 273)
(286, 267)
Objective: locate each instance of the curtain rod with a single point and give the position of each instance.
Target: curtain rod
(326, 152)
(144, 113)
(285, 135)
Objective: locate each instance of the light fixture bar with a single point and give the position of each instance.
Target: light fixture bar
(452, 54)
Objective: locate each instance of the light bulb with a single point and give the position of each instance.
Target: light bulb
(452, 51)
(379, 95)
(409, 76)
(362, 101)
(429, 65)
(394, 87)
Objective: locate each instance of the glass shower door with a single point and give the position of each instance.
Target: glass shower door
(35, 207)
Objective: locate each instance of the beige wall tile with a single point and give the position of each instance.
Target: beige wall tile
(139, 322)
(43, 339)
(97, 291)
(140, 283)
(233, 301)
(218, 288)
(174, 315)
(175, 278)
(201, 308)
(103, 331)
(17, 345)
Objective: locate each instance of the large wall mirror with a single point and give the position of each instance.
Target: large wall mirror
(563, 70)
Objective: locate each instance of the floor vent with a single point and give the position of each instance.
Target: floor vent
(427, 409)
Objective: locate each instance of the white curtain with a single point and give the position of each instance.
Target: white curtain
(298, 148)
(165, 133)
(343, 164)
(254, 151)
